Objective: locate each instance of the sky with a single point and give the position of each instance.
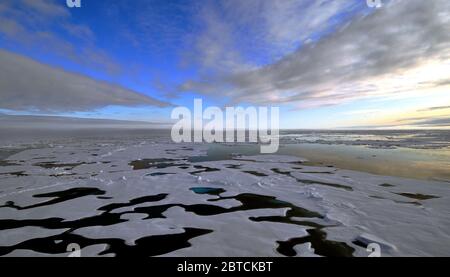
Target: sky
(326, 63)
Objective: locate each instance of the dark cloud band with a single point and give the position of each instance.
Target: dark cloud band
(28, 85)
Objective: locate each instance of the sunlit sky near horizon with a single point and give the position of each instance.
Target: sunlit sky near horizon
(325, 63)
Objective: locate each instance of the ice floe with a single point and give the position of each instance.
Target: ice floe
(142, 198)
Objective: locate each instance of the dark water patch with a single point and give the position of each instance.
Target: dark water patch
(144, 247)
(233, 166)
(287, 220)
(206, 210)
(206, 190)
(184, 167)
(319, 243)
(15, 173)
(360, 244)
(386, 185)
(310, 163)
(408, 202)
(8, 163)
(398, 202)
(417, 196)
(279, 171)
(248, 202)
(239, 158)
(104, 219)
(312, 182)
(48, 223)
(135, 201)
(255, 173)
(59, 196)
(171, 150)
(50, 165)
(202, 169)
(104, 197)
(160, 244)
(317, 172)
(153, 211)
(62, 174)
(159, 174)
(71, 193)
(255, 201)
(154, 163)
(299, 163)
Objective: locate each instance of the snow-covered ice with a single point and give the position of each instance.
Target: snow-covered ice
(146, 198)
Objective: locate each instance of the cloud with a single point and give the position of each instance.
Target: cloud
(43, 27)
(32, 122)
(152, 27)
(239, 35)
(367, 57)
(80, 31)
(436, 122)
(428, 122)
(28, 85)
(291, 23)
(439, 123)
(421, 121)
(435, 108)
(363, 112)
(46, 7)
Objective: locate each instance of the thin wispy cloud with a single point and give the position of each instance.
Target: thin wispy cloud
(435, 108)
(256, 32)
(32, 24)
(439, 121)
(435, 122)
